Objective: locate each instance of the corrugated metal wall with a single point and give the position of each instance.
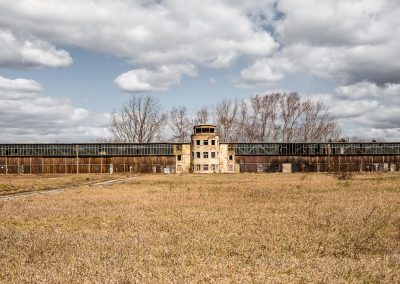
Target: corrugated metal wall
(36, 165)
(318, 163)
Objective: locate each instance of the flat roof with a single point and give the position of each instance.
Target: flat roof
(204, 126)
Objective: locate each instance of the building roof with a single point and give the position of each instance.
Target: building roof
(204, 126)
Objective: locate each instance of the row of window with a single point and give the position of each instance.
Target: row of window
(72, 150)
(204, 130)
(205, 142)
(212, 167)
(317, 148)
(205, 155)
(206, 167)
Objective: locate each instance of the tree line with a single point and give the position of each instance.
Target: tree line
(274, 117)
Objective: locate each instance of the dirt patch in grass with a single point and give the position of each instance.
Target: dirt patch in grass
(26, 183)
(207, 228)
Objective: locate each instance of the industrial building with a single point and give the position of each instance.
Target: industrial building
(205, 154)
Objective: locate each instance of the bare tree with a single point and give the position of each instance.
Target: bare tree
(290, 111)
(140, 120)
(202, 116)
(263, 120)
(225, 117)
(275, 118)
(316, 124)
(243, 131)
(180, 124)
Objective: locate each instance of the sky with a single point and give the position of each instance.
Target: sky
(66, 65)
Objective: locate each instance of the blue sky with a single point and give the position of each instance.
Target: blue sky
(66, 65)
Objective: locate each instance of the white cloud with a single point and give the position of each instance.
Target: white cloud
(345, 41)
(264, 71)
(210, 33)
(366, 110)
(27, 116)
(30, 52)
(18, 85)
(337, 23)
(261, 71)
(346, 64)
(144, 80)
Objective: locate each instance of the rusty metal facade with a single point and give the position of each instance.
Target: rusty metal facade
(178, 157)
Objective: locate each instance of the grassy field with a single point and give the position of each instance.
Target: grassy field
(26, 183)
(207, 228)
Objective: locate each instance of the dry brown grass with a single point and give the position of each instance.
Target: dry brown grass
(214, 228)
(25, 183)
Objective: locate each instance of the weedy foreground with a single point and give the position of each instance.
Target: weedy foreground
(207, 228)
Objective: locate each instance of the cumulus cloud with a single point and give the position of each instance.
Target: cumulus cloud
(27, 116)
(148, 32)
(264, 71)
(18, 85)
(365, 109)
(30, 52)
(145, 80)
(347, 41)
(346, 64)
(343, 41)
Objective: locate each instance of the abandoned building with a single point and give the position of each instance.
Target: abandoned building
(205, 154)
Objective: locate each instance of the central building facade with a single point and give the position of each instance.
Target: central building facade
(205, 153)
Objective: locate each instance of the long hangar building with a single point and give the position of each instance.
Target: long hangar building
(205, 154)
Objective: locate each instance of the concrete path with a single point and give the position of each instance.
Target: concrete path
(62, 189)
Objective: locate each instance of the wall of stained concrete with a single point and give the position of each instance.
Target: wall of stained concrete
(182, 159)
(202, 143)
